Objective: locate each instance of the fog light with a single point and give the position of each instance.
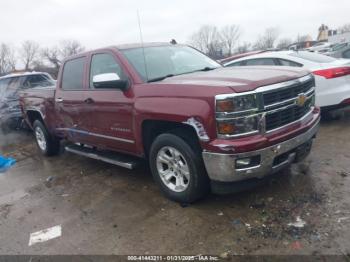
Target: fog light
(247, 162)
(243, 162)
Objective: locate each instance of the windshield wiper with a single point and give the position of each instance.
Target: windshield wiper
(159, 78)
(207, 68)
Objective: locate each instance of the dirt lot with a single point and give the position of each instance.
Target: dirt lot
(105, 209)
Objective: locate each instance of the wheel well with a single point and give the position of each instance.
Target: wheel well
(34, 115)
(153, 128)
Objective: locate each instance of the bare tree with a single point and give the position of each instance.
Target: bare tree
(344, 28)
(7, 59)
(284, 43)
(302, 38)
(229, 36)
(208, 40)
(268, 39)
(29, 53)
(70, 47)
(56, 54)
(243, 48)
(52, 55)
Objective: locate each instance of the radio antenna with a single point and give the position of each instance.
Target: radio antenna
(142, 45)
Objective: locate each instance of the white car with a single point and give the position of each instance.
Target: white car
(332, 75)
(319, 47)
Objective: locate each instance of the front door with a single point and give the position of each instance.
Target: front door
(110, 110)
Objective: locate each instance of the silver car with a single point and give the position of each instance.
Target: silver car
(339, 51)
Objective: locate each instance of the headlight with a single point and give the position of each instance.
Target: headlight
(313, 98)
(236, 115)
(238, 126)
(237, 103)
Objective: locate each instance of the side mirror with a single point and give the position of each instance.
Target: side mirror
(109, 80)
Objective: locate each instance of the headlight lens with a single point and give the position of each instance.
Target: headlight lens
(237, 103)
(238, 126)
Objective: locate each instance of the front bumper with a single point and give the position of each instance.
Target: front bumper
(222, 167)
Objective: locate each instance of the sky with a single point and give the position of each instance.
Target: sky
(108, 22)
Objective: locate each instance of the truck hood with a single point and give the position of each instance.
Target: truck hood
(239, 79)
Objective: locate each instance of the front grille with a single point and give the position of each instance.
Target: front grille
(286, 116)
(279, 95)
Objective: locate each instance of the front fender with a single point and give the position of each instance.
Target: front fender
(195, 112)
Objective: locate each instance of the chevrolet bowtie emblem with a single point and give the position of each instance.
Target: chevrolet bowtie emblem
(301, 99)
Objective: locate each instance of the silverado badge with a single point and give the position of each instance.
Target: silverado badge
(301, 99)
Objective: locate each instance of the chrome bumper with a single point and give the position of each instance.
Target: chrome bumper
(222, 167)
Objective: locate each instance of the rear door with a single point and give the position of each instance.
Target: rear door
(110, 110)
(69, 101)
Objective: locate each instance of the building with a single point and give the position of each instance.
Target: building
(339, 38)
(323, 33)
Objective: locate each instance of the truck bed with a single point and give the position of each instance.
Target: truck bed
(40, 99)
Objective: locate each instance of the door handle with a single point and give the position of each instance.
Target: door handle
(89, 100)
(59, 100)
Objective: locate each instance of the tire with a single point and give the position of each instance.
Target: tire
(47, 144)
(182, 163)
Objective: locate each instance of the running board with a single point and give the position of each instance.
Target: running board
(105, 156)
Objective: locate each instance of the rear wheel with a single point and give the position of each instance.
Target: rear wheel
(178, 169)
(47, 144)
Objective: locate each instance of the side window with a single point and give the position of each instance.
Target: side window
(103, 64)
(3, 88)
(284, 62)
(236, 64)
(35, 81)
(261, 62)
(13, 83)
(73, 73)
(346, 54)
(4, 83)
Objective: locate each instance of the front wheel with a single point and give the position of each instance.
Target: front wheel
(178, 169)
(47, 144)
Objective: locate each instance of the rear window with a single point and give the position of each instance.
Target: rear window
(73, 73)
(313, 57)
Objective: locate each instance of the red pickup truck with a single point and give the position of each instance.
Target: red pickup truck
(200, 126)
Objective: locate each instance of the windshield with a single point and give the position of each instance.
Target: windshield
(313, 57)
(162, 61)
(339, 46)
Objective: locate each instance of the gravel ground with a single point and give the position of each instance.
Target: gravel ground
(104, 209)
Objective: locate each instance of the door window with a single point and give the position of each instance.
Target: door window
(285, 62)
(346, 54)
(260, 62)
(237, 64)
(103, 64)
(73, 73)
(35, 81)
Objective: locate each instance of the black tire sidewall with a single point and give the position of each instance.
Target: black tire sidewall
(38, 124)
(197, 186)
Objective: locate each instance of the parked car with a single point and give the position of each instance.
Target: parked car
(234, 57)
(10, 113)
(200, 125)
(332, 75)
(340, 51)
(319, 47)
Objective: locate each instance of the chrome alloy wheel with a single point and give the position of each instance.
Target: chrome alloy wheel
(173, 169)
(40, 138)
